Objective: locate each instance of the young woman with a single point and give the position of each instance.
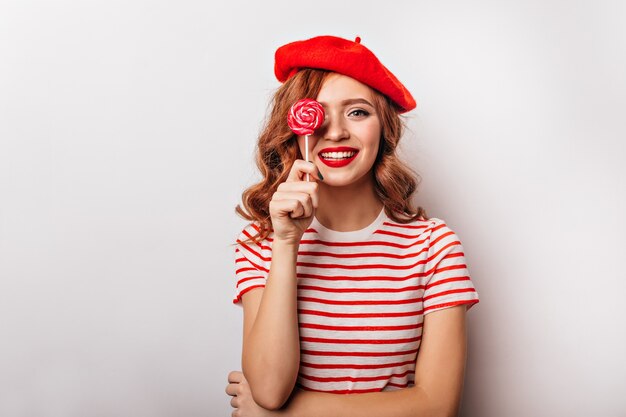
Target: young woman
(346, 288)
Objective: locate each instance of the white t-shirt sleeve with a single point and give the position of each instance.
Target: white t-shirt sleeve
(251, 263)
(448, 282)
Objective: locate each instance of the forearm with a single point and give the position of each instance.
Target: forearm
(407, 402)
(271, 349)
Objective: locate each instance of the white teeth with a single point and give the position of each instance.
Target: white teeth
(337, 155)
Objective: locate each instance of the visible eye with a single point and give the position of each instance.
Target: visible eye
(359, 112)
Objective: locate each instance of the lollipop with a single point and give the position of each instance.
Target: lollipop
(304, 117)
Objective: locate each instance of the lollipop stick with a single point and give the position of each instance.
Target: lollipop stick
(306, 152)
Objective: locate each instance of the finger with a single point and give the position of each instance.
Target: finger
(306, 206)
(235, 376)
(231, 389)
(310, 188)
(305, 199)
(300, 168)
(287, 208)
(234, 402)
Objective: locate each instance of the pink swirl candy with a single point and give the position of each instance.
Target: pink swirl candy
(305, 116)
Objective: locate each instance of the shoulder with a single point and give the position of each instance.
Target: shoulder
(249, 242)
(251, 253)
(251, 231)
(419, 226)
(437, 225)
(442, 241)
(432, 232)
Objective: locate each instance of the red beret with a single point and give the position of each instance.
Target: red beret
(344, 57)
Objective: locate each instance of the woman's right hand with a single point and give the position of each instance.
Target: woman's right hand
(293, 205)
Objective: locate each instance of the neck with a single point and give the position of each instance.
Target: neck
(348, 208)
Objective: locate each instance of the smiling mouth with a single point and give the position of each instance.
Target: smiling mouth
(337, 156)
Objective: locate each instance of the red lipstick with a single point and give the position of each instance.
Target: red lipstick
(339, 149)
(338, 163)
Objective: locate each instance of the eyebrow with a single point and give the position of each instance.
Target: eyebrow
(351, 101)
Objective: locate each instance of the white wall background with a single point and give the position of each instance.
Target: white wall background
(127, 131)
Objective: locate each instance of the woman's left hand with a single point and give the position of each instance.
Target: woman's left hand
(242, 400)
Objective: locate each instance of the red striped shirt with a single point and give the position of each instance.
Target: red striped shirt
(362, 297)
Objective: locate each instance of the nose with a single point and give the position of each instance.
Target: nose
(334, 128)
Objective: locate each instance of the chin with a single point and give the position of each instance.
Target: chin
(342, 181)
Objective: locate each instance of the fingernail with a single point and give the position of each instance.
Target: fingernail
(319, 174)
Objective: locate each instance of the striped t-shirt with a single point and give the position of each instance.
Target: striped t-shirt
(362, 297)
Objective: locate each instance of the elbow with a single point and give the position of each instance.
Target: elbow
(442, 412)
(440, 406)
(445, 413)
(450, 408)
(270, 399)
(447, 410)
(271, 391)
